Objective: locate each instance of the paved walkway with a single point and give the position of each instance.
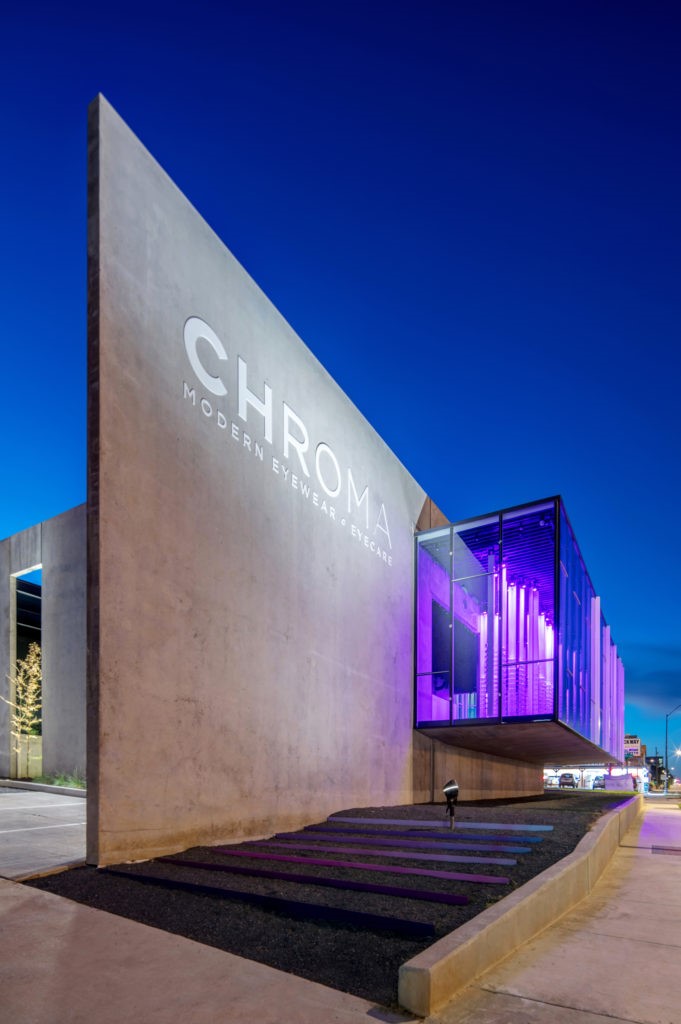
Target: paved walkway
(39, 832)
(617, 957)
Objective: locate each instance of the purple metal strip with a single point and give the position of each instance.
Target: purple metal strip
(432, 836)
(391, 852)
(332, 883)
(386, 838)
(425, 823)
(453, 876)
(300, 909)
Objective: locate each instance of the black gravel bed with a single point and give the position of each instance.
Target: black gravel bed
(362, 959)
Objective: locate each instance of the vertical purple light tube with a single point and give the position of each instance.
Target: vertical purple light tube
(496, 692)
(550, 644)
(493, 631)
(595, 637)
(512, 650)
(521, 675)
(501, 636)
(482, 666)
(533, 651)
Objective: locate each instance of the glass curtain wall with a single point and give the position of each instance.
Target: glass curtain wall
(508, 627)
(591, 676)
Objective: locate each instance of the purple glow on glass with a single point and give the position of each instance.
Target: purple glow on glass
(527, 672)
(432, 691)
(489, 639)
(483, 689)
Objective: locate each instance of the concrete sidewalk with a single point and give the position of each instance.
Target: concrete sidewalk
(616, 957)
(64, 963)
(40, 831)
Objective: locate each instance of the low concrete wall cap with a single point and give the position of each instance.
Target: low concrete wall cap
(430, 979)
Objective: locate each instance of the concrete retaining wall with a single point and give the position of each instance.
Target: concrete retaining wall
(429, 980)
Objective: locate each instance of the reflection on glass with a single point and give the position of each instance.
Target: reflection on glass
(491, 643)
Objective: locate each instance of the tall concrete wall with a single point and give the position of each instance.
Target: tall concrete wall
(250, 546)
(250, 553)
(64, 642)
(59, 546)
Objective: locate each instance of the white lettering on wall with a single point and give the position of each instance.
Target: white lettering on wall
(246, 398)
(382, 524)
(323, 449)
(199, 339)
(364, 500)
(196, 330)
(299, 444)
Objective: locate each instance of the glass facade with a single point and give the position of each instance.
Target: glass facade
(508, 628)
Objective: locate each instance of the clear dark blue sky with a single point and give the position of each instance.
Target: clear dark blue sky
(470, 212)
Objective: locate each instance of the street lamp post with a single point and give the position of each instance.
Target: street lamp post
(666, 747)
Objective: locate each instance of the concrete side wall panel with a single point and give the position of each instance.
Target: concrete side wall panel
(251, 651)
(6, 656)
(58, 545)
(480, 776)
(250, 629)
(64, 642)
(25, 550)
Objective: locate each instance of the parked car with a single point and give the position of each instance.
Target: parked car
(598, 782)
(567, 781)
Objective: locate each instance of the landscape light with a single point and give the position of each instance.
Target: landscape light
(451, 792)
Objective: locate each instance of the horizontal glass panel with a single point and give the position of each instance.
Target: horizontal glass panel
(433, 612)
(433, 698)
(527, 689)
(475, 547)
(475, 647)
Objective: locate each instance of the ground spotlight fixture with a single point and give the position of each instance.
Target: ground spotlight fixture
(451, 792)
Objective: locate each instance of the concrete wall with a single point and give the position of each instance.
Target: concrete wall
(480, 776)
(250, 546)
(433, 977)
(64, 642)
(59, 545)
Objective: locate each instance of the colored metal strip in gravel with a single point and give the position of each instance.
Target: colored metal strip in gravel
(291, 908)
(384, 837)
(485, 837)
(394, 852)
(421, 823)
(389, 869)
(399, 891)
(446, 835)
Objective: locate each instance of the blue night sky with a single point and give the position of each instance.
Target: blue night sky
(469, 212)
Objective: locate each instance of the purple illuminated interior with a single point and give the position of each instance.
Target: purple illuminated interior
(496, 638)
